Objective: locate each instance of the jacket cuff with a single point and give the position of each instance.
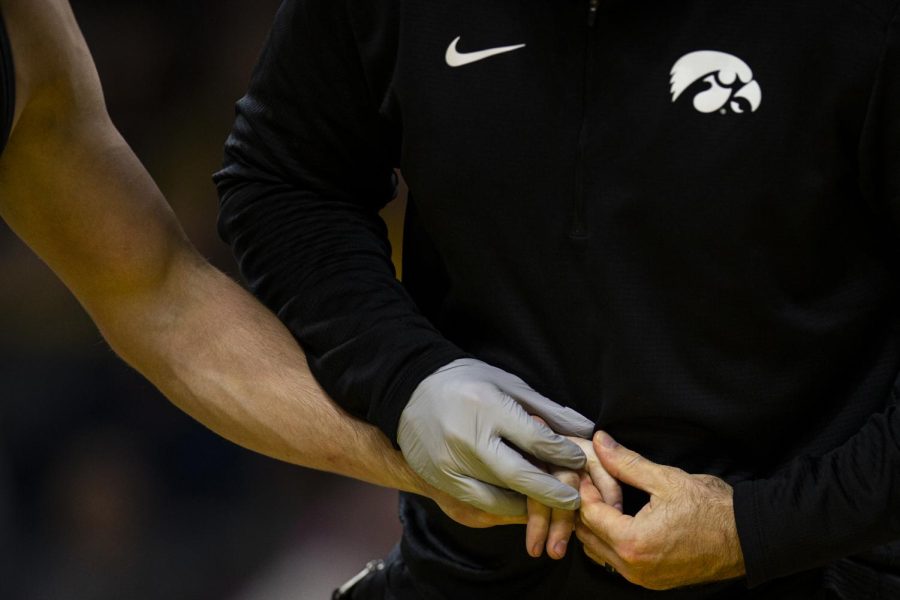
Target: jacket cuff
(387, 414)
(750, 533)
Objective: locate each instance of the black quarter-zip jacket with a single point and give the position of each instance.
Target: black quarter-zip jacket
(678, 217)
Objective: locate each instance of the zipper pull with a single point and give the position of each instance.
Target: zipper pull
(593, 5)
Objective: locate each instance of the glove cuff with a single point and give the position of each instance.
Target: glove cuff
(387, 416)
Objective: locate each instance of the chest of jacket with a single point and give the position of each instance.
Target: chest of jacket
(700, 123)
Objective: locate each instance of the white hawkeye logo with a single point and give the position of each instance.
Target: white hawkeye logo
(731, 86)
(455, 58)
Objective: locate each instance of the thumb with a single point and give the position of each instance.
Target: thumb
(628, 466)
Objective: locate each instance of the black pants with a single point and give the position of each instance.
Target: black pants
(847, 579)
(391, 583)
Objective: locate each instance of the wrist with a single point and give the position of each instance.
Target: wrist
(404, 478)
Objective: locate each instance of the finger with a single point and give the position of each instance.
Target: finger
(537, 528)
(609, 488)
(588, 491)
(562, 522)
(628, 466)
(518, 474)
(537, 439)
(484, 496)
(561, 419)
(474, 518)
(607, 485)
(469, 516)
(605, 521)
(598, 550)
(538, 519)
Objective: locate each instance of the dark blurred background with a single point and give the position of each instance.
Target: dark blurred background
(106, 490)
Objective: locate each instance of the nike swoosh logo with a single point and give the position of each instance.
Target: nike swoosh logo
(455, 58)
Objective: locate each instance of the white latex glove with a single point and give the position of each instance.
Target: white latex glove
(458, 429)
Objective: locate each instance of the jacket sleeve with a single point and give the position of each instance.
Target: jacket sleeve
(308, 165)
(818, 509)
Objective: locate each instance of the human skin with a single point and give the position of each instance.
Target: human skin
(685, 534)
(551, 528)
(73, 190)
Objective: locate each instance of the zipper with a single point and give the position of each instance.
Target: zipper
(579, 226)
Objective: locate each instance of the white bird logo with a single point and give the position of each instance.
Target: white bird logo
(731, 84)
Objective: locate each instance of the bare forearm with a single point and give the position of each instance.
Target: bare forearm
(224, 359)
(75, 192)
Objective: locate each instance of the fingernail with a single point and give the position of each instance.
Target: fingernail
(618, 506)
(560, 548)
(607, 442)
(536, 550)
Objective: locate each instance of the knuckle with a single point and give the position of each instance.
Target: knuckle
(708, 480)
(675, 476)
(539, 420)
(455, 438)
(564, 521)
(587, 515)
(461, 438)
(610, 490)
(564, 515)
(633, 460)
(538, 513)
(628, 555)
(672, 480)
(438, 478)
(473, 391)
(515, 381)
(630, 551)
(444, 465)
(468, 499)
(546, 433)
(569, 478)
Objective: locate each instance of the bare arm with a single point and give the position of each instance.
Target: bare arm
(74, 191)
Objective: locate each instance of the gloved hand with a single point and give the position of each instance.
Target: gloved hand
(455, 429)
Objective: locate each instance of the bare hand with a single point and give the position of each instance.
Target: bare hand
(469, 516)
(685, 535)
(552, 527)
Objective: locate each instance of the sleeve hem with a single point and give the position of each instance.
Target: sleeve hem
(387, 416)
(750, 534)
